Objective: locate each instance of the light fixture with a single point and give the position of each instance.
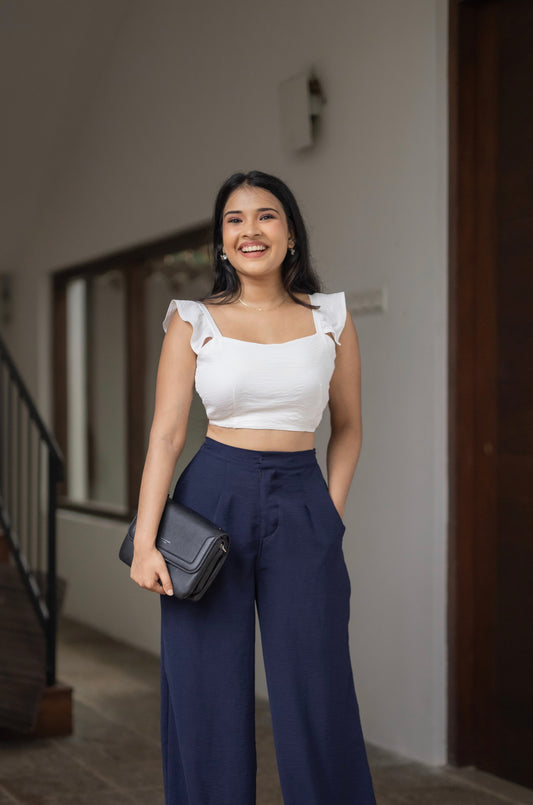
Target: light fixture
(301, 99)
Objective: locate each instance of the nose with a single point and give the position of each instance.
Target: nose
(252, 229)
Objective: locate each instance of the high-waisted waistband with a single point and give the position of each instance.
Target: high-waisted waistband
(259, 458)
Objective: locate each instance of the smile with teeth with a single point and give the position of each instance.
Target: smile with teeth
(253, 248)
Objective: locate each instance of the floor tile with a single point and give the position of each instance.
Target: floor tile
(85, 799)
(444, 795)
(98, 739)
(153, 796)
(57, 778)
(509, 791)
(402, 776)
(5, 798)
(113, 757)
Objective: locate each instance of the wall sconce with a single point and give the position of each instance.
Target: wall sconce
(301, 100)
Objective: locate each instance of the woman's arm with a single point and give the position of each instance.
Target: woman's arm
(345, 442)
(173, 397)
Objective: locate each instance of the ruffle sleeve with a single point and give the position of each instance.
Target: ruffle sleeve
(333, 313)
(191, 311)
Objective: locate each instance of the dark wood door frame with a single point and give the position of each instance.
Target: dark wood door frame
(471, 425)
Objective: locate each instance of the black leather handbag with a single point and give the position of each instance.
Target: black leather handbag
(193, 547)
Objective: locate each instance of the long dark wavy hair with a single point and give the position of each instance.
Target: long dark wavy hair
(297, 273)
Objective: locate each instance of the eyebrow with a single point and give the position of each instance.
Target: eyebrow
(259, 209)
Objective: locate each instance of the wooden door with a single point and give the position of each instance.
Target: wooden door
(491, 387)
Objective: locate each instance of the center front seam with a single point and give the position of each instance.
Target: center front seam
(268, 506)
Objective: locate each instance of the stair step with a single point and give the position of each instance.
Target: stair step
(27, 706)
(54, 716)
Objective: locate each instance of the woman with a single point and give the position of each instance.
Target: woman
(267, 351)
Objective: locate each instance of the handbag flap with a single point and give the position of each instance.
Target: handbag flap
(184, 536)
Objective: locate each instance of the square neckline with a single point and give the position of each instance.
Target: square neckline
(261, 343)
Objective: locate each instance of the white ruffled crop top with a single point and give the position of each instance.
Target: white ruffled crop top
(246, 384)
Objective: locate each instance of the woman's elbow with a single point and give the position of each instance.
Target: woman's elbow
(172, 439)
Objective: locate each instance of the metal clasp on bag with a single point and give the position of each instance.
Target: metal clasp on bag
(223, 547)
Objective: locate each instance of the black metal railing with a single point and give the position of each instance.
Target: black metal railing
(31, 464)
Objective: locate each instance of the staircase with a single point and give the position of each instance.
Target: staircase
(32, 702)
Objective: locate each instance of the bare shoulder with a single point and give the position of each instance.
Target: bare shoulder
(349, 332)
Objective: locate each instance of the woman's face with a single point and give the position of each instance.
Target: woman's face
(255, 231)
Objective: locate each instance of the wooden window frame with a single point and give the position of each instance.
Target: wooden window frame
(134, 263)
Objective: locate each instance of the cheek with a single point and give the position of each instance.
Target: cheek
(228, 236)
(280, 234)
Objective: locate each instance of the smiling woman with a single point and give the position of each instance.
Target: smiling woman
(267, 351)
(255, 231)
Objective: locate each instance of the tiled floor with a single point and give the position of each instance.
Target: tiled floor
(113, 757)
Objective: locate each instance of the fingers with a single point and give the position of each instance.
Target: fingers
(165, 582)
(151, 573)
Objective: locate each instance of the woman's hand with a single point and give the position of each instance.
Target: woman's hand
(149, 570)
(340, 510)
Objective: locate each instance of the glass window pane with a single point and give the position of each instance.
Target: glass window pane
(96, 390)
(76, 459)
(107, 386)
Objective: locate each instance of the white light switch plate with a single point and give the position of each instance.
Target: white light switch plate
(360, 302)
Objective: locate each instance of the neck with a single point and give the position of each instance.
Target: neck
(260, 294)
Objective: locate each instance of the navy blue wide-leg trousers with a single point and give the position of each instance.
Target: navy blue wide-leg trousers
(285, 558)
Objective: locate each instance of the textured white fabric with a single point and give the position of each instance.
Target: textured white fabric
(244, 384)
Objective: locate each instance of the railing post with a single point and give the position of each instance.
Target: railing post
(12, 487)
(51, 588)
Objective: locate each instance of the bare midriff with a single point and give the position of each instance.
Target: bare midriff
(252, 439)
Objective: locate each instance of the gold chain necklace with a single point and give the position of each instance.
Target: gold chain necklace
(263, 308)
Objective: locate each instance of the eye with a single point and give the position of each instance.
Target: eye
(267, 215)
(234, 220)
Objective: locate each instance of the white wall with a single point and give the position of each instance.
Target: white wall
(188, 97)
(53, 55)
